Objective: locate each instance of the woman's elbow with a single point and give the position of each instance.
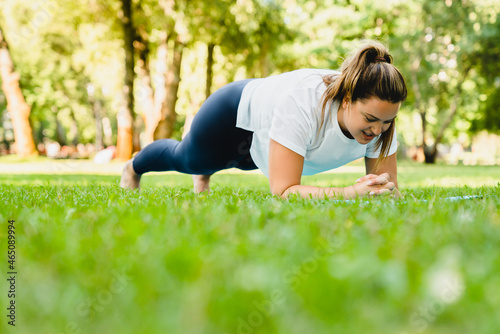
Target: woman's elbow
(278, 191)
(281, 191)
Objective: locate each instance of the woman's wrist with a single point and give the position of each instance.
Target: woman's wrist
(349, 192)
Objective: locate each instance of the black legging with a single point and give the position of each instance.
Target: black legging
(212, 144)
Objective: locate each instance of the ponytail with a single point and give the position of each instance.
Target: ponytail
(368, 72)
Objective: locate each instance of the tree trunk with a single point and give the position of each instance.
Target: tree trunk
(208, 90)
(74, 129)
(423, 117)
(60, 131)
(210, 65)
(263, 61)
(419, 105)
(107, 130)
(99, 139)
(165, 126)
(146, 94)
(16, 104)
(160, 91)
(431, 152)
(125, 115)
(138, 125)
(95, 105)
(38, 135)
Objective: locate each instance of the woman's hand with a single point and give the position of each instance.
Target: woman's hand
(375, 185)
(379, 174)
(366, 177)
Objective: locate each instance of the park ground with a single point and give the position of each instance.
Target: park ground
(94, 258)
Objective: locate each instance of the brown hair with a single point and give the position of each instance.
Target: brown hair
(368, 72)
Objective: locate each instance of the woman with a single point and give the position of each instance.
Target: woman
(297, 123)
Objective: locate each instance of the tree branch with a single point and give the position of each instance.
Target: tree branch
(453, 110)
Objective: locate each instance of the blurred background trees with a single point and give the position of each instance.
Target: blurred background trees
(126, 72)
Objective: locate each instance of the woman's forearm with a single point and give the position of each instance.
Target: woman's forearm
(320, 192)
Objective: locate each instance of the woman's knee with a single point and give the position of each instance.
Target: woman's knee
(193, 163)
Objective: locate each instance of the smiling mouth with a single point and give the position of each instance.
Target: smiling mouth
(368, 136)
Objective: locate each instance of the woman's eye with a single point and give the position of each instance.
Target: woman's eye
(370, 120)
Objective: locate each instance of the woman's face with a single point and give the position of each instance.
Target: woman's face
(364, 120)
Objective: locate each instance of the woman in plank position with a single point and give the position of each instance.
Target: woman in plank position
(297, 123)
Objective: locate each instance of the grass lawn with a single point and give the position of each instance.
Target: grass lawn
(93, 258)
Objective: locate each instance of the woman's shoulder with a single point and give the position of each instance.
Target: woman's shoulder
(320, 71)
(303, 73)
(304, 86)
(311, 78)
(310, 73)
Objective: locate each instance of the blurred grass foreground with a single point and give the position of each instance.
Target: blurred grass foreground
(93, 258)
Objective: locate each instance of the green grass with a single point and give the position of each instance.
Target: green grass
(93, 258)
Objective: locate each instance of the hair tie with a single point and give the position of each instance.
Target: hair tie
(381, 59)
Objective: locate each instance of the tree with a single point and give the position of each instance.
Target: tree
(158, 102)
(16, 104)
(487, 61)
(261, 32)
(56, 49)
(60, 50)
(166, 95)
(145, 99)
(438, 65)
(124, 144)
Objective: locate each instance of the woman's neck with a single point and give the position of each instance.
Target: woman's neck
(340, 120)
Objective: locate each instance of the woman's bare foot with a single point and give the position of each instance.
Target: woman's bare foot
(130, 180)
(201, 183)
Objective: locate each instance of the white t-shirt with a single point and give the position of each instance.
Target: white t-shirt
(287, 108)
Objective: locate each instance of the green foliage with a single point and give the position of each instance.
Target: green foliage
(487, 56)
(96, 258)
(60, 48)
(490, 116)
(441, 53)
(42, 45)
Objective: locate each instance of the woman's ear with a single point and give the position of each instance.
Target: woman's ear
(345, 101)
(345, 104)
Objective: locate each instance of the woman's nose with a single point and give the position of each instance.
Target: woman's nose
(377, 129)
